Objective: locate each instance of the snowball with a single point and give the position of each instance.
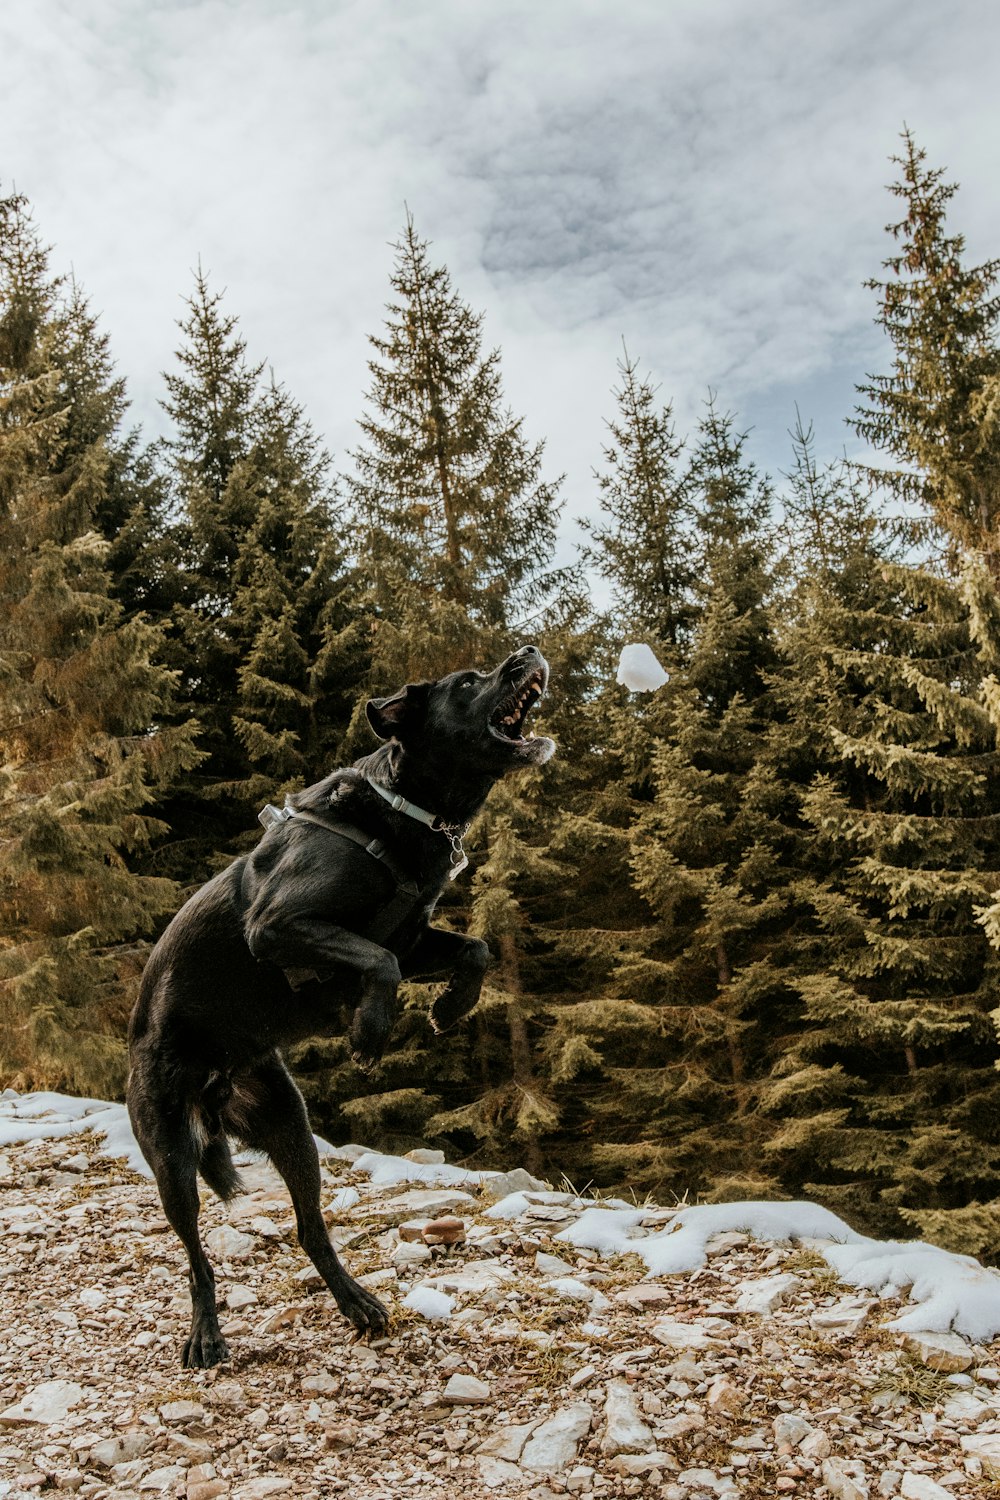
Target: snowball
(639, 670)
(429, 1304)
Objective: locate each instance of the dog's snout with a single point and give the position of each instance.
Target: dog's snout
(525, 652)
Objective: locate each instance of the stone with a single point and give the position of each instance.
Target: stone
(920, 1487)
(791, 1429)
(845, 1479)
(648, 1294)
(498, 1472)
(624, 1429)
(846, 1316)
(682, 1335)
(240, 1296)
(472, 1277)
(552, 1446)
(206, 1489)
(44, 1404)
(940, 1351)
(763, 1294)
(162, 1481)
(986, 1448)
(227, 1243)
(816, 1446)
(259, 1489)
(409, 1254)
(725, 1397)
(425, 1157)
(642, 1463)
(578, 1291)
(120, 1450)
(463, 1390)
(552, 1265)
(444, 1231)
(508, 1443)
(323, 1384)
(502, 1184)
(179, 1413)
(422, 1204)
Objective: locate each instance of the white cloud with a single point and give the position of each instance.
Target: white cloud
(705, 179)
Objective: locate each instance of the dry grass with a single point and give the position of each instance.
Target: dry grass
(914, 1382)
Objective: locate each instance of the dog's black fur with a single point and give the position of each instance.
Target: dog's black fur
(216, 1003)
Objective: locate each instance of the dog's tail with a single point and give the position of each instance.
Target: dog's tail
(215, 1165)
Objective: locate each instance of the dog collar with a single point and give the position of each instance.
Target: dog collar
(454, 832)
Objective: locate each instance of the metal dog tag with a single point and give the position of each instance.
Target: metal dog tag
(456, 870)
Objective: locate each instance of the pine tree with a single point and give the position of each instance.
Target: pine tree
(457, 526)
(937, 413)
(81, 695)
(645, 548)
(457, 535)
(667, 1050)
(887, 1095)
(261, 624)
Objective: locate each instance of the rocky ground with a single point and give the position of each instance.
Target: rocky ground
(556, 1372)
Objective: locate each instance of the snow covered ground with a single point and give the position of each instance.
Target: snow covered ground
(946, 1291)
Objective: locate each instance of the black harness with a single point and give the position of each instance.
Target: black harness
(389, 918)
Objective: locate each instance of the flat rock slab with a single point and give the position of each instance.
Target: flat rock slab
(647, 1295)
(763, 1294)
(624, 1429)
(464, 1390)
(940, 1351)
(552, 1446)
(987, 1449)
(44, 1404)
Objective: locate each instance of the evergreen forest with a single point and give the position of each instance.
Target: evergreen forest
(746, 927)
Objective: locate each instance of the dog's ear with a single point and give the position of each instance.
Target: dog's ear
(399, 714)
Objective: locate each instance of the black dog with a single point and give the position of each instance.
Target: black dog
(333, 904)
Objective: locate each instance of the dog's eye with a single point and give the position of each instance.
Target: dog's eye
(469, 682)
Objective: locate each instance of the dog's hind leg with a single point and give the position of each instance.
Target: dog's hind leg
(267, 1113)
(168, 1142)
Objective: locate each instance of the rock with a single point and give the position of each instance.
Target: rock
(682, 1335)
(310, 1278)
(987, 1449)
(791, 1429)
(763, 1294)
(411, 1231)
(919, 1487)
(553, 1444)
(496, 1472)
(646, 1295)
(965, 1407)
(259, 1489)
(44, 1404)
(425, 1157)
(240, 1296)
(227, 1243)
(120, 1450)
(846, 1316)
(552, 1265)
(446, 1231)
(816, 1446)
(939, 1351)
(508, 1443)
(422, 1204)
(624, 1430)
(706, 1479)
(643, 1463)
(92, 1297)
(502, 1184)
(322, 1384)
(266, 1228)
(845, 1479)
(725, 1397)
(178, 1413)
(206, 1489)
(888, 1482)
(195, 1450)
(463, 1390)
(407, 1254)
(473, 1277)
(163, 1481)
(578, 1291)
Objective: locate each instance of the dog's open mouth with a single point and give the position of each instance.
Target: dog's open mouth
(507, 722)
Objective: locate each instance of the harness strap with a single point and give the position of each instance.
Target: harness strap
(398, 908)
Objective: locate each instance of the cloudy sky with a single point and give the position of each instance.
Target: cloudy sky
(704, 178)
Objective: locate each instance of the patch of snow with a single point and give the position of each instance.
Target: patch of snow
(948, 1290)
(390, 1171)
(604, 1230)
(639, 670)
(430, 1304)
(682, 1246)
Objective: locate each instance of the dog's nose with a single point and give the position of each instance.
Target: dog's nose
(526, 651)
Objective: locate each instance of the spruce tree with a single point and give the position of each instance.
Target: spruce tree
(936, 414)
(261, 626)
(646, 545)
(81, 696)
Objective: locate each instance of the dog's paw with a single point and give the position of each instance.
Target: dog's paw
(205, 1348)
(450, 1007)
(366, 1312)
(365, 1061)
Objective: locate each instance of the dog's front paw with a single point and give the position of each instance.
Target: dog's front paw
(452, 1005)
(206, 1347)
(366, 1312)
